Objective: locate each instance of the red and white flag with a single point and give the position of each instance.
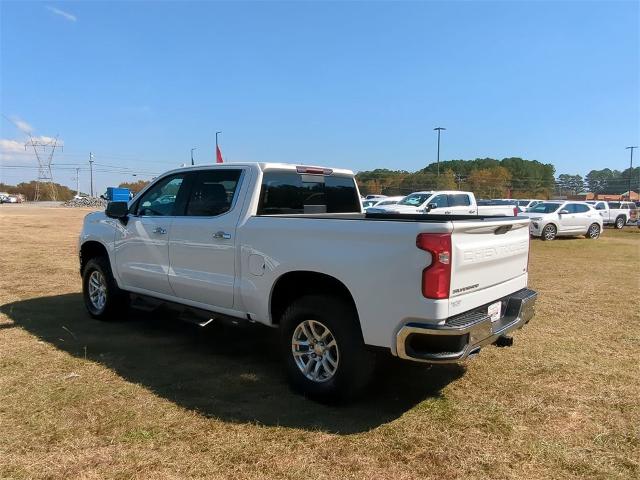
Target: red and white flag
(218, 155)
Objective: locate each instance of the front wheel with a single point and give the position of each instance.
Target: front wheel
(549, 232)
(102, 297)
(594, 231)
(620, 221)
(323, 349)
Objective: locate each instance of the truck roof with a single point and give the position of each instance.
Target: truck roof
(264, 166)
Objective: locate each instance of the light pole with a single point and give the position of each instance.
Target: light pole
(91, 169)
(630, 171)
(439, 129)
(192, 155)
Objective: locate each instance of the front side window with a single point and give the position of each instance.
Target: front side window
(441, 201)
(600, 206)
(296, 193)
(212, 192)
(160, 199)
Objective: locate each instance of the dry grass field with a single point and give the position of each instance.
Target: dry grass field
(150, 397)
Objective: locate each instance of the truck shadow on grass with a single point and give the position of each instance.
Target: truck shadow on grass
(233, 374)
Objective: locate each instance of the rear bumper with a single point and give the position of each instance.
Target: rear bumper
(463, 335)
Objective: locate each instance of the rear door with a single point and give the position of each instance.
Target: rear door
(202, 247)
(487, 253)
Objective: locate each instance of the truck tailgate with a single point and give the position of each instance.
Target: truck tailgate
(487, 253)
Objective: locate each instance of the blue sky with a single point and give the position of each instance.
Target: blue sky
(357, 85)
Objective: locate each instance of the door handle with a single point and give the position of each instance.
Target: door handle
(447, 212)
(159, 230)
(222, 235)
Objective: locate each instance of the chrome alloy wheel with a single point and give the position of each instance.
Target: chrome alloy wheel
(315, 351)
(97, 290)
(594, 231)
(549, 232)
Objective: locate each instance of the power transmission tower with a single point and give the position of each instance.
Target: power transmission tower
(45, 175)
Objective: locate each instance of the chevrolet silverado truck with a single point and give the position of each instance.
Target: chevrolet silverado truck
(289, 247)
(617, 214)
(447, 202)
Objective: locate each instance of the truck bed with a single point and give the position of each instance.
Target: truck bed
(398, 217)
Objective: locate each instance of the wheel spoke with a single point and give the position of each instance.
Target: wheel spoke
(316, 370)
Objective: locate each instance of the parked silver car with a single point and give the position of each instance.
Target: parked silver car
(552, 219)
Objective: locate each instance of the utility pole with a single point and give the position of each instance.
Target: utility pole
(192, 155)
(630, 171)
(91, 170)
(439, 129)
(78, 181)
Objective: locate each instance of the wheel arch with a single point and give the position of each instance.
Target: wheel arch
(91, 249)
(295, 284)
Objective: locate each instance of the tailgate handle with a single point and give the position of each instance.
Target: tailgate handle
(502, 230)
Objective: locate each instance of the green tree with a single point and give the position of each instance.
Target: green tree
(569, 184)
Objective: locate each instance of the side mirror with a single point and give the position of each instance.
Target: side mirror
(119, 210)
(431, 206)
(563, 211)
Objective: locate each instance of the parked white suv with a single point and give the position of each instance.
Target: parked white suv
(289, 247)
(552, 219)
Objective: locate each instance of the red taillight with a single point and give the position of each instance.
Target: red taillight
(515, 211)
(436, 278)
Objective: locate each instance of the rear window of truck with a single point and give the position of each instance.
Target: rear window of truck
(291, 193)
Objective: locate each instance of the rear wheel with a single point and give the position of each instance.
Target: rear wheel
(323, 349)
(620, 221)
(594, 231)
(102, 297)
(549, 232)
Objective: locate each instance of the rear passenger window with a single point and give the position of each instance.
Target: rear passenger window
(295, 193)
(212, 192)
(614, 205)
(580, 208)
(459, 200)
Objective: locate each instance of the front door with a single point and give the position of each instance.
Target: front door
(142, 245)
(202, 246)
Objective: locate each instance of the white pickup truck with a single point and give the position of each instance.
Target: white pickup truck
(288, 246)
(446, 202)
(617, 214)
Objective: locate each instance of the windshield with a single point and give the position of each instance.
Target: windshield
(369, 203)
(545, 208)
(415, 199)
(523, 203)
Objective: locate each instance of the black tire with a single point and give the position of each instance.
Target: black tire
(116, 300)
(549, 232)
(594, 231)
(355, 363)
(620, 221)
